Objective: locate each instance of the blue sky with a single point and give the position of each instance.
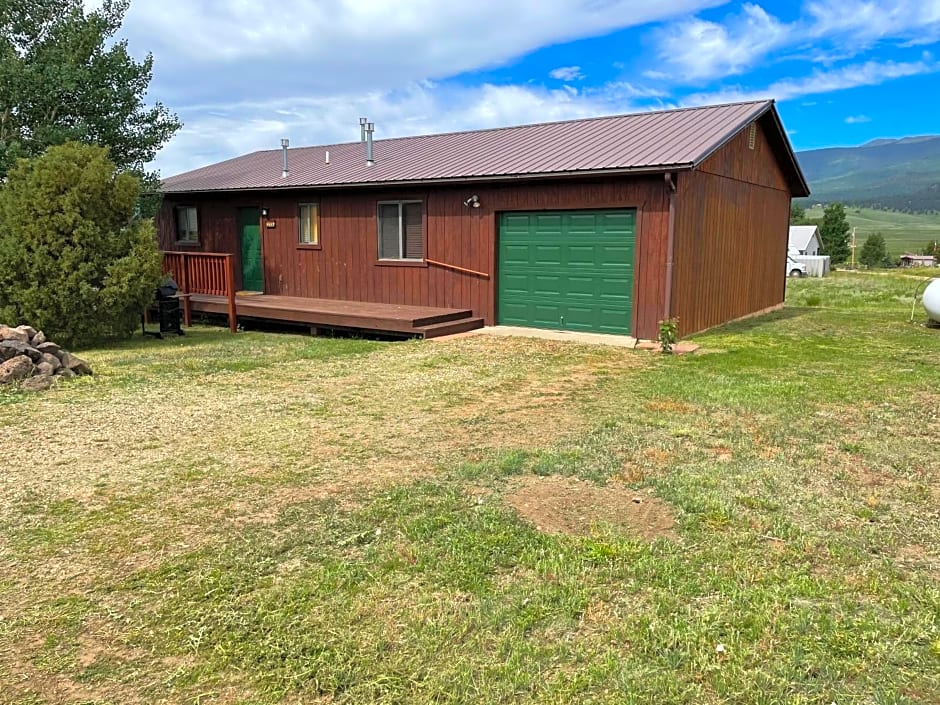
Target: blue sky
(241, 75)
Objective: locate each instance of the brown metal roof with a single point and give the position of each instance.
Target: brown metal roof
(650, 141)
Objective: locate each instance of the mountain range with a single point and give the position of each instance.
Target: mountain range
(892, 174)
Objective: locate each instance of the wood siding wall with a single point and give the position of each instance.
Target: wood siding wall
(346, 265)
(731, 232)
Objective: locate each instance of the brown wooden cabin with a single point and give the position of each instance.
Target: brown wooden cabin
(607, 224)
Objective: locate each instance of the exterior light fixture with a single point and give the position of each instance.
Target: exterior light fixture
(472, 202)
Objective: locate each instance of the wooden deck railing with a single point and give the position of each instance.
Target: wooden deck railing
(210, 273)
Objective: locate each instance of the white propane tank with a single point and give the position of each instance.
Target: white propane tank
(931, 300)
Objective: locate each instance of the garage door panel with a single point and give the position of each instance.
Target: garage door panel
(568, 270)
(545, 255)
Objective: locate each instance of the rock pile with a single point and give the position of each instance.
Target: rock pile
(27, 358)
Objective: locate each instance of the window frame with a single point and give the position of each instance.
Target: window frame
(401, 260)
(316, 244)
(176, 223)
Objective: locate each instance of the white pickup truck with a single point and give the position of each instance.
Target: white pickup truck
(794, 268)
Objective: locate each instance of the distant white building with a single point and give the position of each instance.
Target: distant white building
(804, 240)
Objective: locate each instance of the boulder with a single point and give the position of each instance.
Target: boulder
(76, 364)
(7, 333)
(12, 348)
(39, 383)
(29, 330)
(65, 373)
(38, 339)
(9, 348)
(49, 347)
(44, 369)
(15, 369)
(51, 360)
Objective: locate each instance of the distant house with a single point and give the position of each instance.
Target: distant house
(804, 240)
(608, 224)
(909, 260)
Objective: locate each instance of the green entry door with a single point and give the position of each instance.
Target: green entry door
(567, 270)
(249, 232)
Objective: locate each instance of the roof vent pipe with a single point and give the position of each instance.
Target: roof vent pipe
(370, 160)
(326, 157)
(362, 128)
(285, 143)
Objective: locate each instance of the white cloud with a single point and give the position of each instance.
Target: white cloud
(866, 20)
(567, 73)
(857, 119)
(828, 32)
(699, 49)
(870, 73)
(216, 132)
(328, 46)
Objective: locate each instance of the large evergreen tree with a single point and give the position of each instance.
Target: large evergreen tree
(874, 251)
(834, 231)
(74, 260)
(63, 78)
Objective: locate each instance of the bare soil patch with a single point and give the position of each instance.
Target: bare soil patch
(567, 505)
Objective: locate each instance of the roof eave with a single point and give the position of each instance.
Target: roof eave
(626, 171)
(802, 187)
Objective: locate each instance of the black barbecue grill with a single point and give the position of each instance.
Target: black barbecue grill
(168, 311)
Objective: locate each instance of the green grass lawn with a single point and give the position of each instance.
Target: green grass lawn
(903, 232)
(279, 519)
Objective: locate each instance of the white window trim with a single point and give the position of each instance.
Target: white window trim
(401, 229)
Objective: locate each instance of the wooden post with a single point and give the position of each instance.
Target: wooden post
(230, 291)
(184, 288)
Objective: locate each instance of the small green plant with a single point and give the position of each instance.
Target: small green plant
(668, 334)
(813, 300)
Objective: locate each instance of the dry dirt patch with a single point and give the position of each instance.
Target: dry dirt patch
(567, 505)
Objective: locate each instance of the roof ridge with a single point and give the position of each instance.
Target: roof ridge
(502, 128)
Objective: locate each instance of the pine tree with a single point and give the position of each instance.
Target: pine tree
(834, 231)
(874, 251)
(74, 259)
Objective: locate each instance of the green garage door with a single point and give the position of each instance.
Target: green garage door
(567, 270)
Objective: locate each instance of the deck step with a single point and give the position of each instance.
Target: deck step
(462, 325)
(445, 317)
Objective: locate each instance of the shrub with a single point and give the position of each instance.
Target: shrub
(74, 260)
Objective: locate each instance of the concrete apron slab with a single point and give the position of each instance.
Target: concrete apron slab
(620, 341)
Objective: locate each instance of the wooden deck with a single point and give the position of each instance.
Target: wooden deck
(418, 321)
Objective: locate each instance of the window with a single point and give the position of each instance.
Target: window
(401, 230)
(309, 230)
(187, 225)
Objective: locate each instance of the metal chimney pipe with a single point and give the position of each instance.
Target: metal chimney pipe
(285, 143)
(370, 159)
(362, 128)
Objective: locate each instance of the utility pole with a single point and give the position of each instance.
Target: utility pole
(853, 248)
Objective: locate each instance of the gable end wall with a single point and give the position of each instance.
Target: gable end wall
(731, 234)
